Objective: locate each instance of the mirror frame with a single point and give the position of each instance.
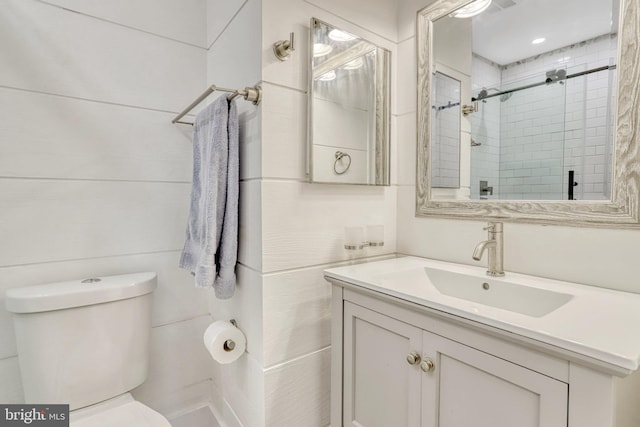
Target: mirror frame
(382, 95)
(622, 211)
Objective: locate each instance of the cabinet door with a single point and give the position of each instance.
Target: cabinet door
(380, 387)
(467, 387)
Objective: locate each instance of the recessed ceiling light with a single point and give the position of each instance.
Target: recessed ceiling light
(340, 36)
(472, 9)
(321, 49)
(538, 40)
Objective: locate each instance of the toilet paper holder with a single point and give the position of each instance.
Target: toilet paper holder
(225, 341)
(230, 344)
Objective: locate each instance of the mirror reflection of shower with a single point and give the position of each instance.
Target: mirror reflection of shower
(538, 119)
(543, 95)
(484, 93)
(554, 76)
(445, 132)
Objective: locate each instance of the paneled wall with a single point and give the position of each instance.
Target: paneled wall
(94, 178)
(234, 61)
(302, 223)
(96, 181)
(290, 230)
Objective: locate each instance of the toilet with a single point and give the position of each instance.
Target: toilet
(86, 343)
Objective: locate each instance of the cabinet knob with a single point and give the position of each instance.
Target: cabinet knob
(413, 358)
(427, 365)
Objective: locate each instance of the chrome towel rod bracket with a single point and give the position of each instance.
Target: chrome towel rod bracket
(253, 94)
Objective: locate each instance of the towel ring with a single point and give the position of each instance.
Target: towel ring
(339, 156)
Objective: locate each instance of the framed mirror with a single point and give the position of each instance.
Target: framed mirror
(349, 114)
(549, 110)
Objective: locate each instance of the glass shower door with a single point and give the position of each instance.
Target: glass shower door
(532, 134)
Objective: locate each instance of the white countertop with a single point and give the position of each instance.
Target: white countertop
(597, 323)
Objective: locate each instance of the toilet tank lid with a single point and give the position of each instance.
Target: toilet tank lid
(77, 293)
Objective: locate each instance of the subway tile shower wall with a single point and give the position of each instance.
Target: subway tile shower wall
(548, 130)
(485, 130)
(445, 113)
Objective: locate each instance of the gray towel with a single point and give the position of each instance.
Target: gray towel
(211, 247)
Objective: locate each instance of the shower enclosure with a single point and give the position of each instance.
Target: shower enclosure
(530, 134)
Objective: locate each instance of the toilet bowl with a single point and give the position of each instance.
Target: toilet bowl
(118, 412)
(85, 343)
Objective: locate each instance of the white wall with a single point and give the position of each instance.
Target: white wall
(302, 224)
(290, 230)
(94, 178)
(598, 257)
(234, 61)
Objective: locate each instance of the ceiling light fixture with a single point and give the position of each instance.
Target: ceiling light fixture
(472, 9)
(354, 64)
(538, 40)
(328, 76)
(321, 49)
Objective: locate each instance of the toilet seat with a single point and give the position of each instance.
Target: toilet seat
(118, 412)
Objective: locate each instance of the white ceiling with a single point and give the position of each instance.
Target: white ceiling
(504, 35)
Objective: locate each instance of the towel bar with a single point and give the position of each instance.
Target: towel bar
(253, 94)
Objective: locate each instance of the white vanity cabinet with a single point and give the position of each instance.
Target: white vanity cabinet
(396, 374)
(400, 363)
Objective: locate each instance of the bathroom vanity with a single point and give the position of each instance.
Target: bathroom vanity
(418, 342)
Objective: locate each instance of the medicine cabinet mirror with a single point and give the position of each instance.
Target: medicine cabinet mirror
(349, 113)
(546, 111)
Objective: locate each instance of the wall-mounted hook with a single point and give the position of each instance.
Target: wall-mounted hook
(283, 48)
(468, 109)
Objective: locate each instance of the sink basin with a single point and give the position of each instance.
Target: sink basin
(586, 320)
(502, 294)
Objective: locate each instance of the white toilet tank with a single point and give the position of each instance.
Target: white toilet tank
(85, 341)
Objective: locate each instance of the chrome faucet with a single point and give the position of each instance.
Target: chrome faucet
(494, 246)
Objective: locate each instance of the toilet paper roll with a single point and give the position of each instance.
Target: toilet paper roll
(225, 342)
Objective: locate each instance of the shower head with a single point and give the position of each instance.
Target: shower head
(484, 93)
(505, 96)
